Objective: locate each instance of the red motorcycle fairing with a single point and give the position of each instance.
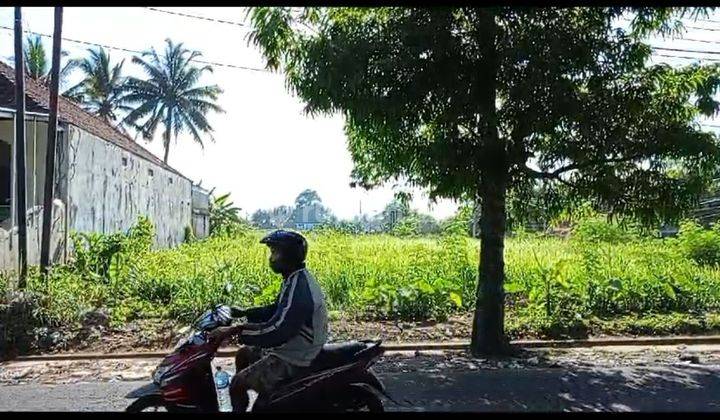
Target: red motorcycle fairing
(144, 391)
(185, 377)
(183, 359)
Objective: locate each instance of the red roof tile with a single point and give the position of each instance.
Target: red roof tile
(37, 99)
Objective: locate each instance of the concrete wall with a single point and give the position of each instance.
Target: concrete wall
(200, 212)
(109, 187)
(36, 146)
(9, 239)
(35, 150)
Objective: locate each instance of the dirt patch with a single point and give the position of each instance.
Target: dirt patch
(96, 336)
(455, 328)
(148, 335)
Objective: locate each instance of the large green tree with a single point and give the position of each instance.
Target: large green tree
(483, 103)
(172, 96)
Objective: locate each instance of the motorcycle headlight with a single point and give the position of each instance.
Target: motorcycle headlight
(180, 343)
(206, 321)
(159, 372)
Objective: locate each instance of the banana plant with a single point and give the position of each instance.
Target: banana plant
(223, 213)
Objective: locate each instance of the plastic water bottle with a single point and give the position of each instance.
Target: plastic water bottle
(222, 386)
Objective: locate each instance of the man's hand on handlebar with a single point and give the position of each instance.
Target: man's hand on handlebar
(222, 333)
(236, 312)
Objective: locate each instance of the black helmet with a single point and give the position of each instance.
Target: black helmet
(293, 243)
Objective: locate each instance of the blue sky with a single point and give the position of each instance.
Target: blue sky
(266, 149)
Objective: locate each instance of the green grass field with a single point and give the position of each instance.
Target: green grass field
(554, 286)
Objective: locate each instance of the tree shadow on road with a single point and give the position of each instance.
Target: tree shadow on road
(666, 388)
(535, 381)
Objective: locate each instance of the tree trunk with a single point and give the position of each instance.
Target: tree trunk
(488, 336)
(168, 131)
(167, 151)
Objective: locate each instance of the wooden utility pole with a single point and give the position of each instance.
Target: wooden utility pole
(20, 196)
(51, 142)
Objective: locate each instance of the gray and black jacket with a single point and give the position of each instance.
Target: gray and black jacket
(294, 328)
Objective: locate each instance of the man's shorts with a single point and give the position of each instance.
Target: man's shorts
(264, 371)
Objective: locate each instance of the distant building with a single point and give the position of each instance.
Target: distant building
(309, 217)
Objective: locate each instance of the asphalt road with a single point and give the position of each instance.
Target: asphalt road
(663, 388)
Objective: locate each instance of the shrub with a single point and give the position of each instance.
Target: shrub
(558, 286)
(701, 245)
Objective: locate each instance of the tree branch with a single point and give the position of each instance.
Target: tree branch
(584, 165)
(548, 175)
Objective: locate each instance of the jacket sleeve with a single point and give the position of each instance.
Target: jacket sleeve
(294, 307)
(257, 314)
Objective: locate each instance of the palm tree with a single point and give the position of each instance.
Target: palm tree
(102, 91)
(37, 62)
(171, 95)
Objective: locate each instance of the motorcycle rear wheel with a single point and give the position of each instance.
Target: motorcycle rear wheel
(362, 400)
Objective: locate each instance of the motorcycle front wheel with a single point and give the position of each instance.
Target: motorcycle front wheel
(147, 403)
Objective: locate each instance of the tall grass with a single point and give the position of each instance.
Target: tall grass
(552, 283)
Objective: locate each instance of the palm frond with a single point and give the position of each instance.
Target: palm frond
(170, 95)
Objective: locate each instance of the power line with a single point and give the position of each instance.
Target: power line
(699, 40)
(684, 26)
(709, 20)
(687, 51)
(702, 29)
(686, 57)
(234, 66)
(187, 15)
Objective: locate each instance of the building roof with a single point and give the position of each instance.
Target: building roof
(37, 99)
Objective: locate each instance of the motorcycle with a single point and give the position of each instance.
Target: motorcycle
(339, 379)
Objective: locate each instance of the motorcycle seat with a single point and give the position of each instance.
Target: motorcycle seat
(331, 356)
(337, 354)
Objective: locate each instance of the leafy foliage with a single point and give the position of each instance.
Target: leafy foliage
(94, 252)
(700, 245)
(385, 69)
(416, 224)
(276, 218)
(461, 223)
(310, 209)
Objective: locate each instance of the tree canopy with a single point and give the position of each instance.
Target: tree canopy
(489, 104)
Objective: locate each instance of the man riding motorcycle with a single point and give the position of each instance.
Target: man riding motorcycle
(283, 338)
